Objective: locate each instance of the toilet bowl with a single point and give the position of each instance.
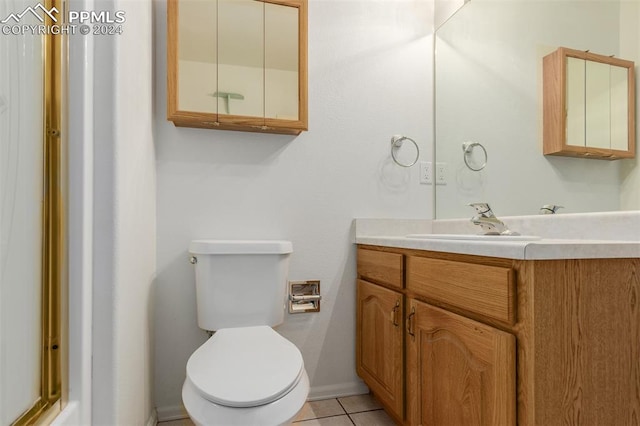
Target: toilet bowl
(245, 376)
(246, 373)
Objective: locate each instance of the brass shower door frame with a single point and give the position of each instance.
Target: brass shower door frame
(54, 323)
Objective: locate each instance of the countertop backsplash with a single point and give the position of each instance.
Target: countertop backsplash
(618, 226)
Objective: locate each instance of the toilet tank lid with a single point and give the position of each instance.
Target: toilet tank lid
(240, 247)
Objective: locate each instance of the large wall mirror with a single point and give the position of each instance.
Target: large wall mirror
(238, 64)
(489, 81)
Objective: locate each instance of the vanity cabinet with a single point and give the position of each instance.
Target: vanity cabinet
(588, 105)
(573, 325)
(445, 368)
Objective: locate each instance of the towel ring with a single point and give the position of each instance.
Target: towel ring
(396, 142)
(467, 148)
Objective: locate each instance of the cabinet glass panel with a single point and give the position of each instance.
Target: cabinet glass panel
(240, 58)
(575, 101)
(281, 61)
(598, 106)
(197, 55)
(619, 108)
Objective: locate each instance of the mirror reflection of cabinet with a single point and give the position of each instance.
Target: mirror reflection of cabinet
(238, 64)
(589, 105)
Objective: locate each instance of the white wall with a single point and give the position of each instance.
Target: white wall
(80, 138)
(124, 221)
(369, 78)
(445, 9)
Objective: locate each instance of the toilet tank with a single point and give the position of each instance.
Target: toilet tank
(240, 283)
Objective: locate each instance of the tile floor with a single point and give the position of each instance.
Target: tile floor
(358, 410)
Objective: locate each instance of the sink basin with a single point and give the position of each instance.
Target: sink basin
(474, 237)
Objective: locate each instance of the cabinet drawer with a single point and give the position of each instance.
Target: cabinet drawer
(381, 267)
(485, 290)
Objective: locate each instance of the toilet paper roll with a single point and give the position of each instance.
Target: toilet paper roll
(302, 306)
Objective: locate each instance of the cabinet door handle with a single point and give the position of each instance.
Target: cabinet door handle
(410, 322)
(394, 314)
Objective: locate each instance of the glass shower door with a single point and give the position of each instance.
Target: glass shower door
(21, 218)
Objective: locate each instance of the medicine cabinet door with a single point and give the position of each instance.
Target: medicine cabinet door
(589, 105)
(238, 64)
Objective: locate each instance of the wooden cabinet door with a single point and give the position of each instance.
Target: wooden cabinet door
(459, 372)
(379, 344)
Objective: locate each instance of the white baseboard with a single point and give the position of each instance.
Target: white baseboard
(174, 412)
(177, 412)
(337, 391)
(153, 418)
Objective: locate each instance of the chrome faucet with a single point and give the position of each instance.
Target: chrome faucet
(488, 221)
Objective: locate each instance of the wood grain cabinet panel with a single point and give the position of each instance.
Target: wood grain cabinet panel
(381, 267)
(462, 371)
(379, 350)
(587, 341)
(483, 289)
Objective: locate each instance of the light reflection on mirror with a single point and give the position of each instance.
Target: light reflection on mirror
(619, 107)
(488, 68)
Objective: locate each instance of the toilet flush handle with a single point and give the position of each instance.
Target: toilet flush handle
(193, 260)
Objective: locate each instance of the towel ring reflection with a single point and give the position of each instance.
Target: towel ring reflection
(396, 142)
(467, 148)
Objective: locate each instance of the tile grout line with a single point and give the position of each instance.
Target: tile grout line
(344, 413)
(324, 417)
(345, 410)
(380, 408)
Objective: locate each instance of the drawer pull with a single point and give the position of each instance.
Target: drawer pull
(394, 314)
(410, 322)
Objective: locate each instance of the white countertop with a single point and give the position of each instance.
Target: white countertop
(529, 250)
(391, 233)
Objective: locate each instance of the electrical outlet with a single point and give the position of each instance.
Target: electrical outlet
(441, 173)
(426, 172)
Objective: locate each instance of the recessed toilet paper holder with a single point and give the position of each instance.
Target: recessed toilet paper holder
(304, 296)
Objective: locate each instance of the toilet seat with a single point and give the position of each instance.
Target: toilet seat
(279, 412)
(245, 367)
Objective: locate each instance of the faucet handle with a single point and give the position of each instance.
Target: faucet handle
(550, 209)
(482, 209)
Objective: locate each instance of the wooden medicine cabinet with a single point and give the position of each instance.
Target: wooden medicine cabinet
(237, 64)
(588, 105)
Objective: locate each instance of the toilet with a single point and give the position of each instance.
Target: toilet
(245, 373)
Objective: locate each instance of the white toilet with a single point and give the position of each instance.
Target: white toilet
(246, 373)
